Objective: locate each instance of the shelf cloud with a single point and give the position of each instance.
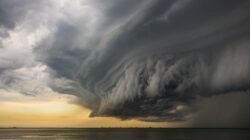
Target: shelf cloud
(151, 60)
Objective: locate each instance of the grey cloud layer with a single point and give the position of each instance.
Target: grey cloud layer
(150, 59)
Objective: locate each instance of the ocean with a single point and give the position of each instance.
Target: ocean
(124, 134)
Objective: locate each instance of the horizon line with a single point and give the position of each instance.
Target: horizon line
(124, 127)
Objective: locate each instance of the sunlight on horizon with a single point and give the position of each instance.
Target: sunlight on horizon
(59, 113)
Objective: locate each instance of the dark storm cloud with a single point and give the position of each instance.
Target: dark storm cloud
(150, 59)
(154, 58)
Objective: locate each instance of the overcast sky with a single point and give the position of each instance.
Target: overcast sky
(148, 60)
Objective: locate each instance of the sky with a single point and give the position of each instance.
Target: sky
(125, 63)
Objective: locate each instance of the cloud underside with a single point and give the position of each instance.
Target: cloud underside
(149, 60)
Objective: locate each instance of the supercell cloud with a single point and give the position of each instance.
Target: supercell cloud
(152, 60)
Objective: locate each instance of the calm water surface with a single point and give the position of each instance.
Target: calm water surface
(125, 134)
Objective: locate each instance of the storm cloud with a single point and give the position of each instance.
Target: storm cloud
(151, 60)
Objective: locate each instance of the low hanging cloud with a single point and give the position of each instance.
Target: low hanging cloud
(150, 60)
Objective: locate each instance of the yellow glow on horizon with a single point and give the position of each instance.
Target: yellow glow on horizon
(40, 114)
(60, 114)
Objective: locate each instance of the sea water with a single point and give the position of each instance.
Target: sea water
(125, 134)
